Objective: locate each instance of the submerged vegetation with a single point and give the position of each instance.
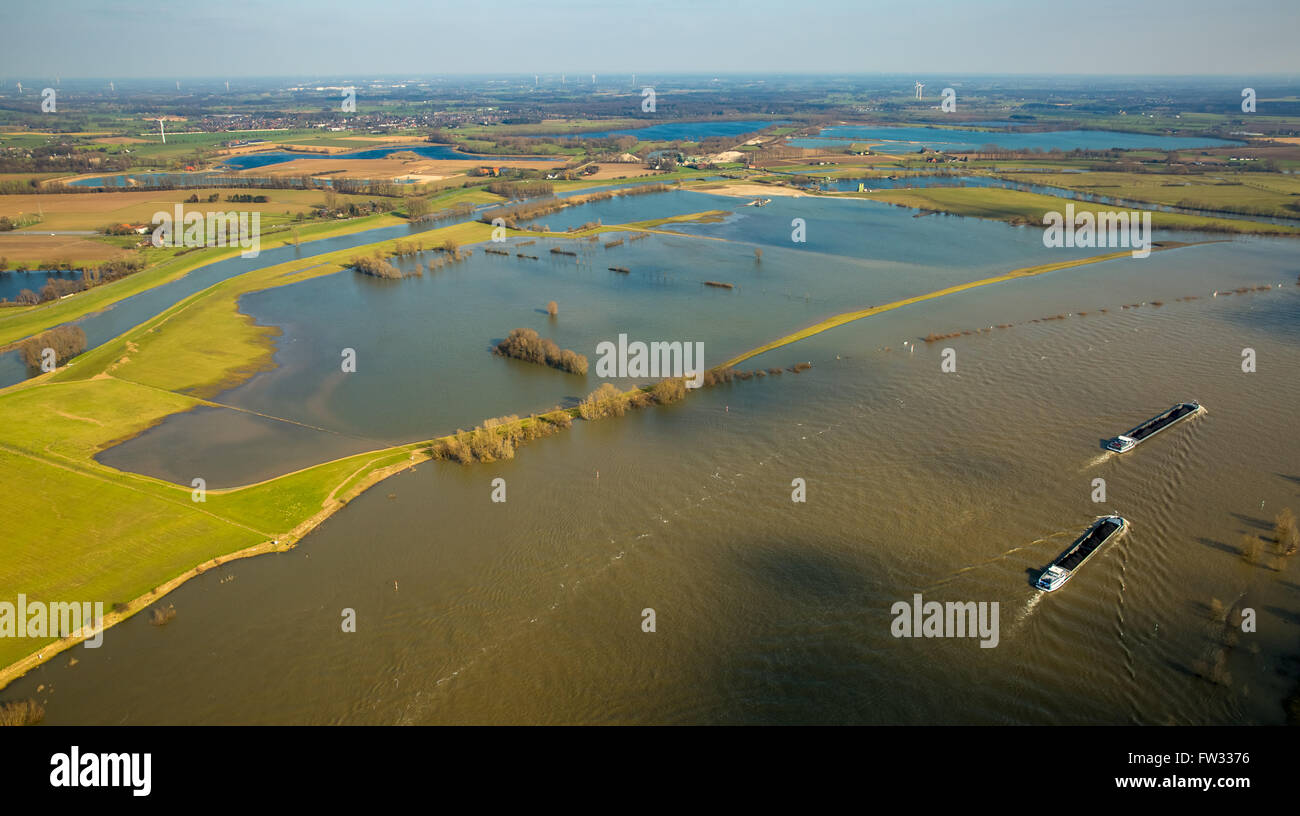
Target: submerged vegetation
(377, 266)
(527, 345)
(497, 438)
(606, 401)
(66, 341)
(162, 615)
(21, 712)
(1286, 535)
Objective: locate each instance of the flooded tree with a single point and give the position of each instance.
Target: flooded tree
(526, 345)
(1285, 532)
(605, 401)
(1249, 548)
(67, 342)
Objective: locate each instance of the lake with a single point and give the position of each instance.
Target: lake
(249, 161)
(11, 282)
(684, 131)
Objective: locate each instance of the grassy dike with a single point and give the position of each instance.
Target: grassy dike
(858, 314)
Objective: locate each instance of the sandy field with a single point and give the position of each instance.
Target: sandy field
(749, 190)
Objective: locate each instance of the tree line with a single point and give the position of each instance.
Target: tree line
(56, 288)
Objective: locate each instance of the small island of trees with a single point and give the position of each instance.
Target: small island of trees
(526, 345)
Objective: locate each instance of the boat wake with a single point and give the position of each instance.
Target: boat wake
(1028, 609)
(1096, 460)
(988, 562)
(1119, 615)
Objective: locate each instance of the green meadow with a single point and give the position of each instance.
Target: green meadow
(1019, 207)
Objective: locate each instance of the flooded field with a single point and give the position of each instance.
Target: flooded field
(959, 485)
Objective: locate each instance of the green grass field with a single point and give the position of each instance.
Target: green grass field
(997, 204)
(1268, 194)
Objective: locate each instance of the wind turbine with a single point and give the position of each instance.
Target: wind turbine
(919, 86)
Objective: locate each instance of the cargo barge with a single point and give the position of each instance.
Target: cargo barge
(1129, 440)
(1084, 547)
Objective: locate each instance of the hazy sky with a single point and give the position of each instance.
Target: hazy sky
(230, 38)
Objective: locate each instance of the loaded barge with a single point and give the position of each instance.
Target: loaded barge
(1129, 440)
(1084, 547)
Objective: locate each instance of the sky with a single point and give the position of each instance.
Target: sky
(304, 38)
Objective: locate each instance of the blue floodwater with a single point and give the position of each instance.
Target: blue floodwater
(201, 179)
(11, 283)
(116, 319)
(251, 160)
(683, 131)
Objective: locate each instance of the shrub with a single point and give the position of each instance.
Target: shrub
(1286, 533)
(375, 267)
(21, 712)
(67, 341)
(162, 615)
(605, 401)
(1249, 548)
(669, 390)
(526, 345)
(498, 438)
(552, 308)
